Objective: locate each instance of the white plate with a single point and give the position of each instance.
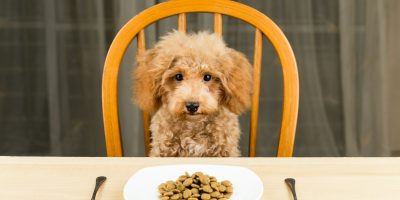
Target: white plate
(144, 183)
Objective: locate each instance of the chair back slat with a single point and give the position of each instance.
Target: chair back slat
(182, 22)
(218, 24)
(147, 134)
(256, 92)
(141, 46)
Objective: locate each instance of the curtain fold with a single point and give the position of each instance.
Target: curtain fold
(392, 16)
(51, 66)
(364, 77)
(315, 136)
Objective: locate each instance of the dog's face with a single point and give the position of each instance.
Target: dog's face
(192, 75)
(191, 87)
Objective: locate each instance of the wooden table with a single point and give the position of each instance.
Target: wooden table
(316, 178)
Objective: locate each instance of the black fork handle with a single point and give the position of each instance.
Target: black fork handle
(99, 181)
(292, 183)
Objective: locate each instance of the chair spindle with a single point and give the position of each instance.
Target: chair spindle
(141, 45)
(182, 22)
(256, 92)
(218, 24)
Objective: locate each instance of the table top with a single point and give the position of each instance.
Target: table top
(316, 178)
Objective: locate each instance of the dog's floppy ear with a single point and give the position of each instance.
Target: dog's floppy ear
(147, 81)
(237, 82)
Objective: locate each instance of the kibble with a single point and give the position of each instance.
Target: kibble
(194, 190)
(188, 182)
(206, 196)
(195, 187)
(187, 193)
(207, 189)
(221, 188)
(175, 196)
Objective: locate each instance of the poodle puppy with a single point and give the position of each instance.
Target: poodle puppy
(195, 87)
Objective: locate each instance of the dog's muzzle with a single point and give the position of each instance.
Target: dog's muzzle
(192, 107)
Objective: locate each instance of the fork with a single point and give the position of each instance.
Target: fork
(291, 184)
(99, 181)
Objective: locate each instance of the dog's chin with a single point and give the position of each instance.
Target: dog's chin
(200, 115)
(194, 116)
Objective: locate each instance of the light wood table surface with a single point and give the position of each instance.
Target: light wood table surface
(316, 178)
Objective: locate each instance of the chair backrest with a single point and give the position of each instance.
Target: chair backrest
(263, 26)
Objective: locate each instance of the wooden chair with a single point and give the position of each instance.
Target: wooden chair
(263, 26)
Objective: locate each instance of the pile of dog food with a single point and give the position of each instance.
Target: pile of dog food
(194, 187)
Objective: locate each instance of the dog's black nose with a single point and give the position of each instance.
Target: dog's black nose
(192, 107)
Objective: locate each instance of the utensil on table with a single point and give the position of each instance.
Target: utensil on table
(291, 183)
(99, 181)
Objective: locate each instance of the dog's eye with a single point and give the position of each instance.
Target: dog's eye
(179, 77)
(207, 77)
